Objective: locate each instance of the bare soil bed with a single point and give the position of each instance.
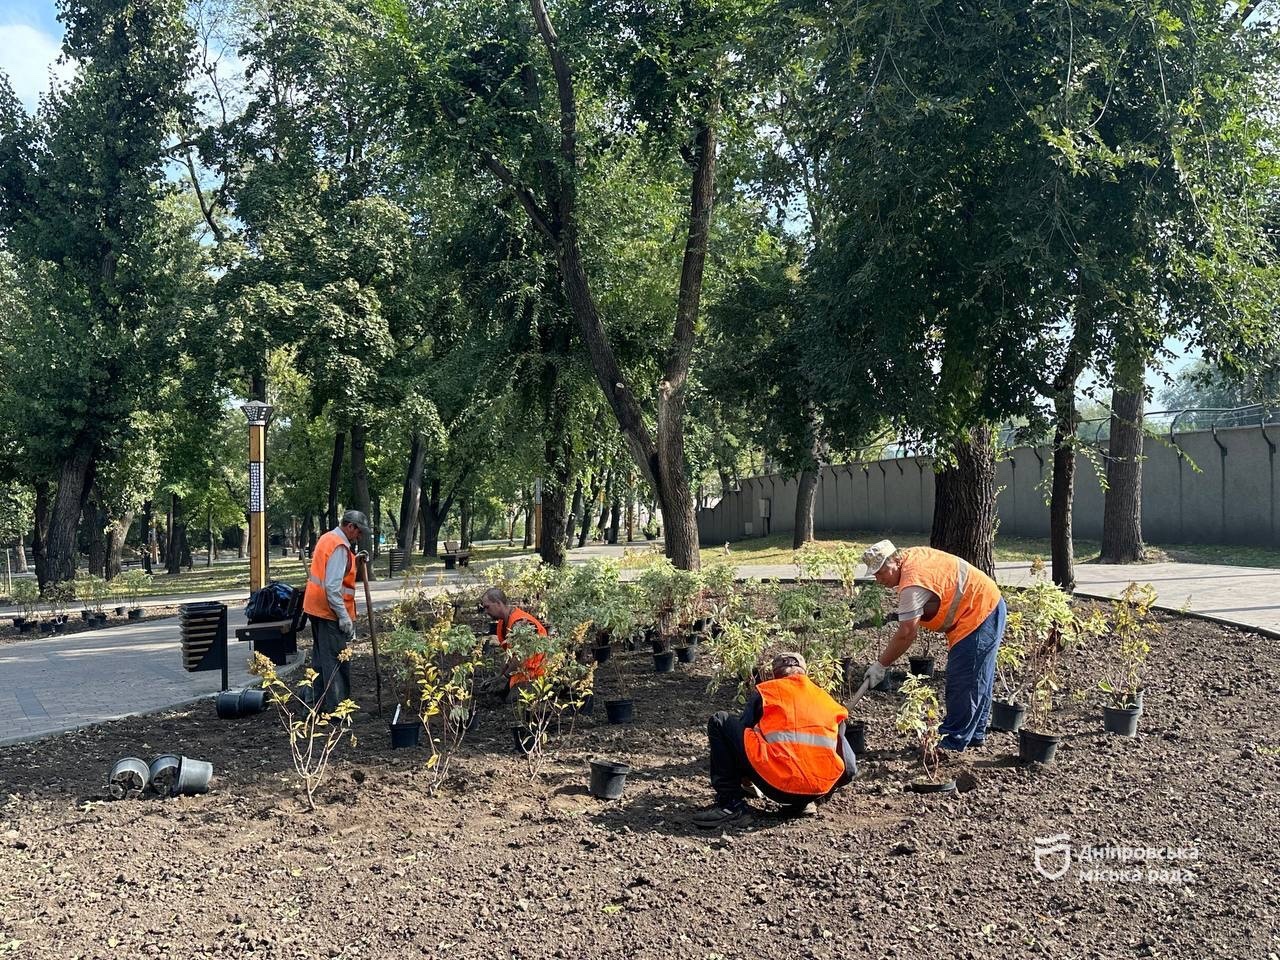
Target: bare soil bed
(498, 866)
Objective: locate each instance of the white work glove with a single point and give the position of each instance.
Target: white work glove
(874, 674)
(347, 628)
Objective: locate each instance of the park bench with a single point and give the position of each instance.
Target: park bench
(276, 639)
(455, 557)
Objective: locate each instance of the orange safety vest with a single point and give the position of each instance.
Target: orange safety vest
(533, 667)
(794, 747)
(315, 603)
(966, 596)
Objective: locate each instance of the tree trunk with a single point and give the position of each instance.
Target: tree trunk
(615, 518)
(74, 480)
(409, 500)
(806, 500)
(173, 555)
(464, 523)
(588, 510)
(309, 532)
(242, 540)
(376, 520)
(20, 556)
(40, 533)
(208, 523)
(574, 512)
(558, 456)
(555, 520)
(964, 510)
(1122, 507)
(528, 520)
(117, 533)
(360, 498)
(147, 535)
(1062, 492)
(432, 520)
(335, 476)
(94, 520)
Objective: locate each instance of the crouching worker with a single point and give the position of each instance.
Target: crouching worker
(497, 607)
(789, 744)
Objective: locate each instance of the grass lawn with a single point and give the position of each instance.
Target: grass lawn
(777, 549)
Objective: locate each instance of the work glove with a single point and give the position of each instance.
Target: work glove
(874, 674)
(347, 628)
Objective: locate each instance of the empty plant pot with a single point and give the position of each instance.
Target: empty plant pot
(855, 731)
(1122, 721)
(252, 700)
(1036, 747)
(608, 779)
(602, 653)
(664, 662)
(46, 626)
(687, 654)
(405, 735)
(193, 777)
(121, 611)
(892, 682)
(136, 613)
(1007, 716)
(920, 667)
(227, 704)
(60, 627)
(619, 711)
(128, 778)
(925, 786)
(163, 771)
(26, 626)
(86, 615)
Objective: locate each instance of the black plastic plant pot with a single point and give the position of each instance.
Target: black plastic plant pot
(687, 654)
(86, 615)
(608, 779)
(26, 626)
(493, 629)
(1122, 721)
(128, 778)
(716, 630)
(619, 711)
(46, 626)
(163, 771)
(405, 735)
(227, 704)
(100, 617)
(18, 621)
(523, 739)
(60, 627)
(926, 786)
(602, 653)
(700, 624)
(657, 646)
(664, 662)
(136, 613)
(1007, 716)
(1036, 747)
(588, 705)
(855, 731)
(121, 611)
(252, 700)
(893, 680)
(920, 667)
(193, 777)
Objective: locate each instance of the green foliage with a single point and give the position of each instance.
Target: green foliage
(1131, 629)
(919, 717)
(562, 688)
(26, 594)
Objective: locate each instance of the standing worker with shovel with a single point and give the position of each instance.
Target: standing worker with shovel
(330, 602)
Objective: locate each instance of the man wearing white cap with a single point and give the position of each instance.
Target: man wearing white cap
(939, 591)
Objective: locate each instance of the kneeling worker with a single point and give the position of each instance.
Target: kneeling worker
(789, 743)
(495, 604)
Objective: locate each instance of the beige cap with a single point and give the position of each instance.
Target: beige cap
(789, 659)
(876, 555)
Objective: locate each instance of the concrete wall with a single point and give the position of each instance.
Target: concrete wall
(1201, 488)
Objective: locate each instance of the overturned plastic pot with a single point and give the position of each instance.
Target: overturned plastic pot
(193, 777)
(252, 700)
(128, 778)
(1037, 747)
(687, 654)
(608, 779)
(619, 711)
(163, 771)
(1122, 721)
(406, 734)
(1007, 716)
(227, 704)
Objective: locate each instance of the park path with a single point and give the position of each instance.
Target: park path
(48, 686)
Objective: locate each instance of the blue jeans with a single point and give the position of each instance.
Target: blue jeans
(971, 672)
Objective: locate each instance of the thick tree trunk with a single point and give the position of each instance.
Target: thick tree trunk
(360, 498)
(213, 548)
(528, 520)
(433, 517)
(40, 534)
(964, 510)
(1062, 492)
(575, 511)
(464, 523)
(558, 456)
(376, 520)
(242, 540)
(1122, 508)
(74, 480)
(615, 518)
(411, 497)
(309, 533)
(588, 510)
(335, 477)
(806, 499)
(147, 535)
(117, 533)
(20, 556)
(173, 555)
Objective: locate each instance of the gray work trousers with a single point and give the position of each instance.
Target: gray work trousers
(328, 641)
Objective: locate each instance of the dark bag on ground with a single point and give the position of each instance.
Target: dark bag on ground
(272, 602)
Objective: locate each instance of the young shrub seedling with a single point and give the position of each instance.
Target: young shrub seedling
(919, 717)
(1132, 628)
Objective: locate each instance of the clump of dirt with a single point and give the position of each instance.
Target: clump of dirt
(498, 864)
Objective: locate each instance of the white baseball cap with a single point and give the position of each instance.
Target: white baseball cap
(876, 555)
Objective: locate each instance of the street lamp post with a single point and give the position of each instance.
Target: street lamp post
(258, 414)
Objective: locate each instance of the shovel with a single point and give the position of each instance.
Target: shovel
(859, 694)
(363, 557)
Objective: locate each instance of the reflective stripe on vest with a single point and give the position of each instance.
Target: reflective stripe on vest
(962, 581)
(315, 601)
(966, 595)
(791, 736)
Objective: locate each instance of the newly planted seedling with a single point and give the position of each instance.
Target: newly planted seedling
(920, 717)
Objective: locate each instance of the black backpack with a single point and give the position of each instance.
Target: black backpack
(272, 602)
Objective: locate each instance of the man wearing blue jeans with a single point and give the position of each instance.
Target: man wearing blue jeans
(939, 591)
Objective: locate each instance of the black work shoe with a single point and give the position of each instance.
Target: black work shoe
(719, 813)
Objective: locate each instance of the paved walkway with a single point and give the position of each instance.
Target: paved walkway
(51, 685)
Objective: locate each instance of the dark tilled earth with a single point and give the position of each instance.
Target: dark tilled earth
(497, 865)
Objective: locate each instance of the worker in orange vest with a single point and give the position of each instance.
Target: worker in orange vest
(495, 604)
(939, 591)
(330, 602)
(789, 745)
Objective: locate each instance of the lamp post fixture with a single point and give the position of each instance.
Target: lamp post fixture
(258, 414)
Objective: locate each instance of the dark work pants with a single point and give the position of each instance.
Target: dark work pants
(730, 766)
(327, 641)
